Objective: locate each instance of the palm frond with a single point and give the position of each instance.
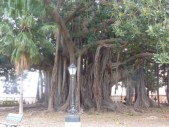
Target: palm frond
(19, 19)
(22, 64)
(25, 51)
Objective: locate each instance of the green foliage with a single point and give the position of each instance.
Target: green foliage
(49, 28)
(9, 103)
(24, 43)
(142, 23)
(145, 23)
(22, 25)
(47, 48)
(25, 24)
(6, 39)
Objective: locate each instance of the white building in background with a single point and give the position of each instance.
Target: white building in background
(121, 93)
(29, 86)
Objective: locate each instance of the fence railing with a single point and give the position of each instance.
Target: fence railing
(162, 98)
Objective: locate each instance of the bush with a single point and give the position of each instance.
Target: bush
(8, 103)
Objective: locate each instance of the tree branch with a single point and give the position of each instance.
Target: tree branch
(75, 13)
(101, 26)
(78, 11)
(105, 43)
(141, 55)
(64, 32)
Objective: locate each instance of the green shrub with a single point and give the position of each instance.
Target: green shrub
(8, 102)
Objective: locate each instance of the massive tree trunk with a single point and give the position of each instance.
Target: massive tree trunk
(54, 79)
(63, 31)
(108, 78)
(87, 80)
(97, 78)
(47, 81)
(65, 85)
(142, 101)
(79, 65)
(58, 98)
(129, 90)
(97, 84)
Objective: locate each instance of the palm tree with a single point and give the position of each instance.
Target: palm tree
(18, 41)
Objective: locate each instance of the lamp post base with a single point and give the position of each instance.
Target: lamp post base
(72, 121)
(72, 110)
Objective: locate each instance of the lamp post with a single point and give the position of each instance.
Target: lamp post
(73, 119)
(72, 71)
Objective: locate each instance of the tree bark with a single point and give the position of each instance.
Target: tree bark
(71, 49)
(129, 91)
(87, 79)
(96, 86)
(54, 79)
(79, 63)
(64, 81)
(59, 83)
(47, 81)
(65, 34)
(142, 100)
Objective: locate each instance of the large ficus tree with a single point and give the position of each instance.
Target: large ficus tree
(105, 37)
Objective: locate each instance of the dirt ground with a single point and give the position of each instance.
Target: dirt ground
(38, 117)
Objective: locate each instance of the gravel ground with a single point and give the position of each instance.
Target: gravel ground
(158, 117)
